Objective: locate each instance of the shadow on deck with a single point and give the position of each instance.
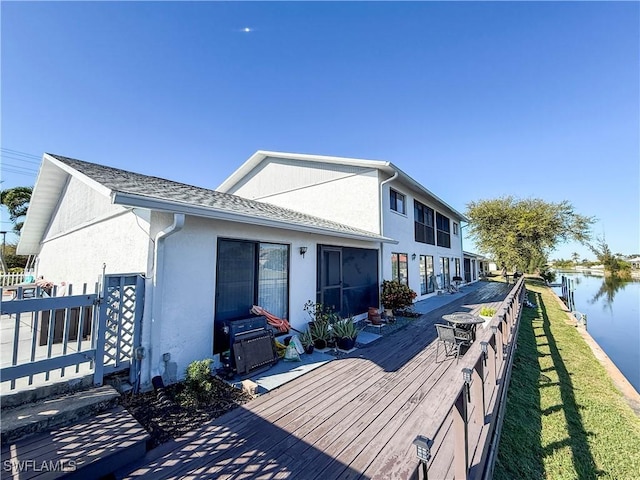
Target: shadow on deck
(354, 417)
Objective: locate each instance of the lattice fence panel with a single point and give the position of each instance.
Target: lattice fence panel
(122, 320)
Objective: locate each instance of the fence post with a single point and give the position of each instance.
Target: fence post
(100, 327)
(460, 434)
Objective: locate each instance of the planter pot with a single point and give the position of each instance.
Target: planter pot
(346, 343)
(486, 319)
(308, 349)
(320, 344)
(375, 320)
(373, 311)
(388, 312)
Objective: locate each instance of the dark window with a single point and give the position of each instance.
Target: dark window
(397, 201)
(400, 268)
(427, 275)
(249, 273)
(347, 279)
(423, 221)
(444, 235)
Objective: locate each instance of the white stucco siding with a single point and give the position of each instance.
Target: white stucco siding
(342, 193)
(187, 306)
(401, 228)
(121, 242)
(79, 205)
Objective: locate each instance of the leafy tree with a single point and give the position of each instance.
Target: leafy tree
(16, 200)
(12, 260)
(611, 262)
(522, 233)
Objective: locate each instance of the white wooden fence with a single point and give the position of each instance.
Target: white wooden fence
(47, 338)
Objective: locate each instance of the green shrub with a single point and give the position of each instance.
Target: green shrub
(487, 312)
(199, 388)
(396, 295)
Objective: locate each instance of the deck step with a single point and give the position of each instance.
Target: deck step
(92, 448)
(43, 415)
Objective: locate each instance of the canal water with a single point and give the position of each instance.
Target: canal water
(612, 307)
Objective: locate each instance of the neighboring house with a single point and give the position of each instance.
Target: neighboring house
(634, 261)
(209, 256)
(371, 195)
(474, 266)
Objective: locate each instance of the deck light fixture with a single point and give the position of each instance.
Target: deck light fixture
(423, 452)
(303, 250)
(485, 348)
(466, 375)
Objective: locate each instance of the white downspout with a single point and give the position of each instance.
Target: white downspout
(382, 184)
(158, 285)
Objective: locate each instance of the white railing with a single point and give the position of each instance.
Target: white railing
(8, 279)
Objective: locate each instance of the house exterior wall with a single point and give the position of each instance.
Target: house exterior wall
(186, 318)
(342, 193)
(79, 205)
(351, 195)
(86, 232)
(401, 228)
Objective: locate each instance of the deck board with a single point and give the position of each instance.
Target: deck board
(354, 417)
(76, 446)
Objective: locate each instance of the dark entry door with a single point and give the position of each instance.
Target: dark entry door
(331, 277)
(467, 270)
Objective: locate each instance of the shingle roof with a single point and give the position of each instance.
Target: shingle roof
(156, 188)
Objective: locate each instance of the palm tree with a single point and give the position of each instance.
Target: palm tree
(16, 200)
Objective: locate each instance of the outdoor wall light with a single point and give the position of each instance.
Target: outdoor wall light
(413, 256)
(494, 329)
(303, 250)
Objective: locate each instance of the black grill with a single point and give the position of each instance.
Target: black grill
(251, 345)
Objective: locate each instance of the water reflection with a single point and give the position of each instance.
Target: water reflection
(611, 285)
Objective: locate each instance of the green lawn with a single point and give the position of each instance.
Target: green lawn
(564, 418)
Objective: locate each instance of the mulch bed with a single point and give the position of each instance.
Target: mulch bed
(168, 420)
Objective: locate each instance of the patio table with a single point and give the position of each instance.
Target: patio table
(465, 321)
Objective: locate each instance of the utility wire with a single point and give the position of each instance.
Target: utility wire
(20, 167)
(12, 156)
(16, 152)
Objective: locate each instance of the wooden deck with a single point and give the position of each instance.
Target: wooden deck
(83, 450)
(355, 417)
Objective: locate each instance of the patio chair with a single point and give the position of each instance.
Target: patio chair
(452, 338)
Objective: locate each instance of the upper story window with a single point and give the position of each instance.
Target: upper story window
(423, 221)
(455, 228)
(444, 232)
(398, 201)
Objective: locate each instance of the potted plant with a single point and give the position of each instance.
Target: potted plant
(320, 334)
(396, 296)
(307, 341)
(346, 333)
(487, 314)
(319, 312)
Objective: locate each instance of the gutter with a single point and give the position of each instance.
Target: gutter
(158, 284)
(382, 184)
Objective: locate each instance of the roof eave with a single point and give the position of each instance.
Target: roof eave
(382, 165)
(255, 159)
(141, 201)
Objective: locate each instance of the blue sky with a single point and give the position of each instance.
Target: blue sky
(474, 100)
